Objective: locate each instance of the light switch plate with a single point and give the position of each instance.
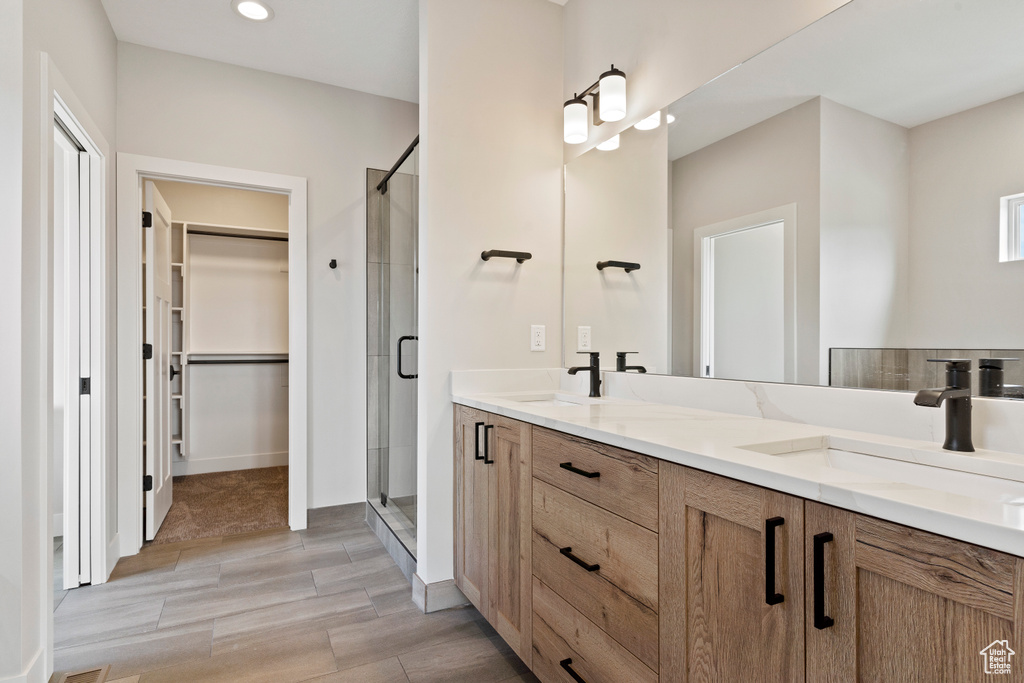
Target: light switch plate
(583, 338)
(537, 338)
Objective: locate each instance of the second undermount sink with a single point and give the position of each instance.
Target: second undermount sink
(552, 398)
(924, 468)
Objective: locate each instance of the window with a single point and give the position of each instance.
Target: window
(1011, 216)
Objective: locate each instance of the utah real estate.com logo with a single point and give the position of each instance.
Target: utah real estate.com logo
(997, 657)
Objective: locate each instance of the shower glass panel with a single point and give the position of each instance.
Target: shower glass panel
(392, 335)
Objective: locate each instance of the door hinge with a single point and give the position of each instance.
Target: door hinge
(147, 219)
(147, 351)
(85, 386)
(147, 482)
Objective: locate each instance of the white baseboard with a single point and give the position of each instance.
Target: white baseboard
(228, 463)
(113, 555)
(58, 525)
(434, 597)
(33, 673)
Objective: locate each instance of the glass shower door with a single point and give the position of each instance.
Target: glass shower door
(392, 346)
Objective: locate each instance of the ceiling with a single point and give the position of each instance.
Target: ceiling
(366, 45)
(905, 61)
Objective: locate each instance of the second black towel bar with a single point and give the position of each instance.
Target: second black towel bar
(625, 265)
(519, 256)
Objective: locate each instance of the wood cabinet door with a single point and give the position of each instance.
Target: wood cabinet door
(472, 513)
(507, 460)
(899, 604)
(720, 541)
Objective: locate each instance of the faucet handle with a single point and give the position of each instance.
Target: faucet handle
(994, 363)
(622, 354)
(953, 363)
(592, 354)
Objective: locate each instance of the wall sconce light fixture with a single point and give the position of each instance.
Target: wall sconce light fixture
(609, 93)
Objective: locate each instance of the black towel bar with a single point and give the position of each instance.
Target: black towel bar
(519, 256)
(625, 265)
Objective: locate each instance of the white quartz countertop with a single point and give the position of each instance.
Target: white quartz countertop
(716, 442)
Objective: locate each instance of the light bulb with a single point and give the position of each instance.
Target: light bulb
(613, 95)
(650, 123)
(575, 121)
(609, 144)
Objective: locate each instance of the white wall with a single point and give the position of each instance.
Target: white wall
(670, 47)
(197, 203)
(616, 208)
(490, 165)
(765, 166)
(226, 115)
(81, 44)
(961, 296)
(865, 175)
(22, 578)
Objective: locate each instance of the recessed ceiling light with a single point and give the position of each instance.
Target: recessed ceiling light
(650, 123)
(253, 9)
(669, 118)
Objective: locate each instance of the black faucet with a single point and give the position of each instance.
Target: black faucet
(620, 363)
(957, 396)
(595, 372)
(990, 376)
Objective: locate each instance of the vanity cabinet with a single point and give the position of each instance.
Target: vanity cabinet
(493, 499)
(602, 565)
(732, 580)
(898, 604)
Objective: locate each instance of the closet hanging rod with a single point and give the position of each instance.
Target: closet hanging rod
(519, 256)
(211, 233)
(251, 361)
(382, 186)
(625, 265)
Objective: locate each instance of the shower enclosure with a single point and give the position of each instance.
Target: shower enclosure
(392, 204)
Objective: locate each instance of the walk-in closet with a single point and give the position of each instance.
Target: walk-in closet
(215, 321)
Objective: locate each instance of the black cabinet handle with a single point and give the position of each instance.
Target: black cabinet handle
(820, 620)
(770, 596)
(406, 338)
(576, 470)
(567, 665)
(589, 567)
(487, 444)
(476, 441)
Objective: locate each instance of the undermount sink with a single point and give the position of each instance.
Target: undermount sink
(552, 398)
(924, 468)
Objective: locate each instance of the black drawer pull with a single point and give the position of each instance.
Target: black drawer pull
(567, 665)
(487, 444)
(770, 596)
(576, 470)
(476, 441)
(589, 567)
(820, 620)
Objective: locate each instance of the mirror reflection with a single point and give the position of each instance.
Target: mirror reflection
(835, 211)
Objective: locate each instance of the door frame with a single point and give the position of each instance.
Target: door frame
(785, 213)
(131, 170)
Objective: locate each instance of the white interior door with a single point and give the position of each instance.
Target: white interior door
(71, 358)
(157, 315)
(744, 311)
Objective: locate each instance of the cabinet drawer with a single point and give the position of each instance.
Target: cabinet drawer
(621, 595)
(561, 633)
(627, 485)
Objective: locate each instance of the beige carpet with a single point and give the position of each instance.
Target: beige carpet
(224, 503)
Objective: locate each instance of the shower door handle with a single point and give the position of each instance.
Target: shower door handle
(407, 337)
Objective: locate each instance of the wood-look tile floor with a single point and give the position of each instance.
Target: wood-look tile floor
(325, 605)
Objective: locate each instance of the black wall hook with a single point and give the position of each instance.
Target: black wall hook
(333, 264)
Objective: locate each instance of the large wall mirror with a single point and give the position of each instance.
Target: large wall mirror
(834, 211)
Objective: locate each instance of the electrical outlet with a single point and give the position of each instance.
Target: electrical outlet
(537, 338)
(583, 338)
